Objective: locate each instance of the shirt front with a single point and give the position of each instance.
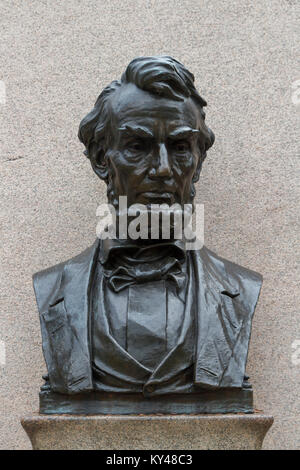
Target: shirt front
(145, 318)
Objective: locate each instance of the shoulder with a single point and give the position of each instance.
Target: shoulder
(48, 282)
(232, 270)
(234, 279)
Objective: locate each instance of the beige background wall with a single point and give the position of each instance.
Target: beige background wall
(55, 57)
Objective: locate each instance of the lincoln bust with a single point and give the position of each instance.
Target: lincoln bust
(134, 325)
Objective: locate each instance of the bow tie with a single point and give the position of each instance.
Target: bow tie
(124, 276)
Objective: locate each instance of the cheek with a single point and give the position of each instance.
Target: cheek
(115, 167)
(126, 171)
(185, 167)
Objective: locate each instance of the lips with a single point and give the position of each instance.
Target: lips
(155, 189)
(158, 197)
(156, 194)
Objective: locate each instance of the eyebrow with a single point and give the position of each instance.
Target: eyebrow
(183, 132)
(136, 130)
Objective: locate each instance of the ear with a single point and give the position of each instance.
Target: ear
(96, 154)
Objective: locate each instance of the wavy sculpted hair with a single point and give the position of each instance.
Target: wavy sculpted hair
(159, 75)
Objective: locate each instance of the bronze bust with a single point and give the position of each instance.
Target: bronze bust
(146, 326)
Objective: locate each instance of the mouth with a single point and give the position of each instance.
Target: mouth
(156, 196)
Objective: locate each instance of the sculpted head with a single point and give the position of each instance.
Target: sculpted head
(146, 136)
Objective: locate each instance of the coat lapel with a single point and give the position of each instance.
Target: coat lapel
(220, 318)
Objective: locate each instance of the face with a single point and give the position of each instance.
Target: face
(154, 153)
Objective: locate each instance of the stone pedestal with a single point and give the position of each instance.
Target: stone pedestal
(139, 432)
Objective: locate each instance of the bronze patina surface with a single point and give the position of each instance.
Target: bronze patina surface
(146, 325)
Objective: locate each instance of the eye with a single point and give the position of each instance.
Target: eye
(136, 145)
(181, 146)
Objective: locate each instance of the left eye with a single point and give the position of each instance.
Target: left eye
(181, 146)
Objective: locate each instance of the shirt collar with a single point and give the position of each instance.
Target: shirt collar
(108, 245)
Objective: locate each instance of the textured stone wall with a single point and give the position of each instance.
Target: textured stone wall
(55, 58)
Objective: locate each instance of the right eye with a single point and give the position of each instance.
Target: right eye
(136, 145)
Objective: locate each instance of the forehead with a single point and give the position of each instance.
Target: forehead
(131, 105)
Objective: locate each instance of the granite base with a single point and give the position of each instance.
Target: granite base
(138, 432)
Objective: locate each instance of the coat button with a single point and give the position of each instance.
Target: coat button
(150, 388)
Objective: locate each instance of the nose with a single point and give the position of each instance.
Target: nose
(162, 167)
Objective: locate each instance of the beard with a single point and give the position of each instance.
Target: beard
(152, 222)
